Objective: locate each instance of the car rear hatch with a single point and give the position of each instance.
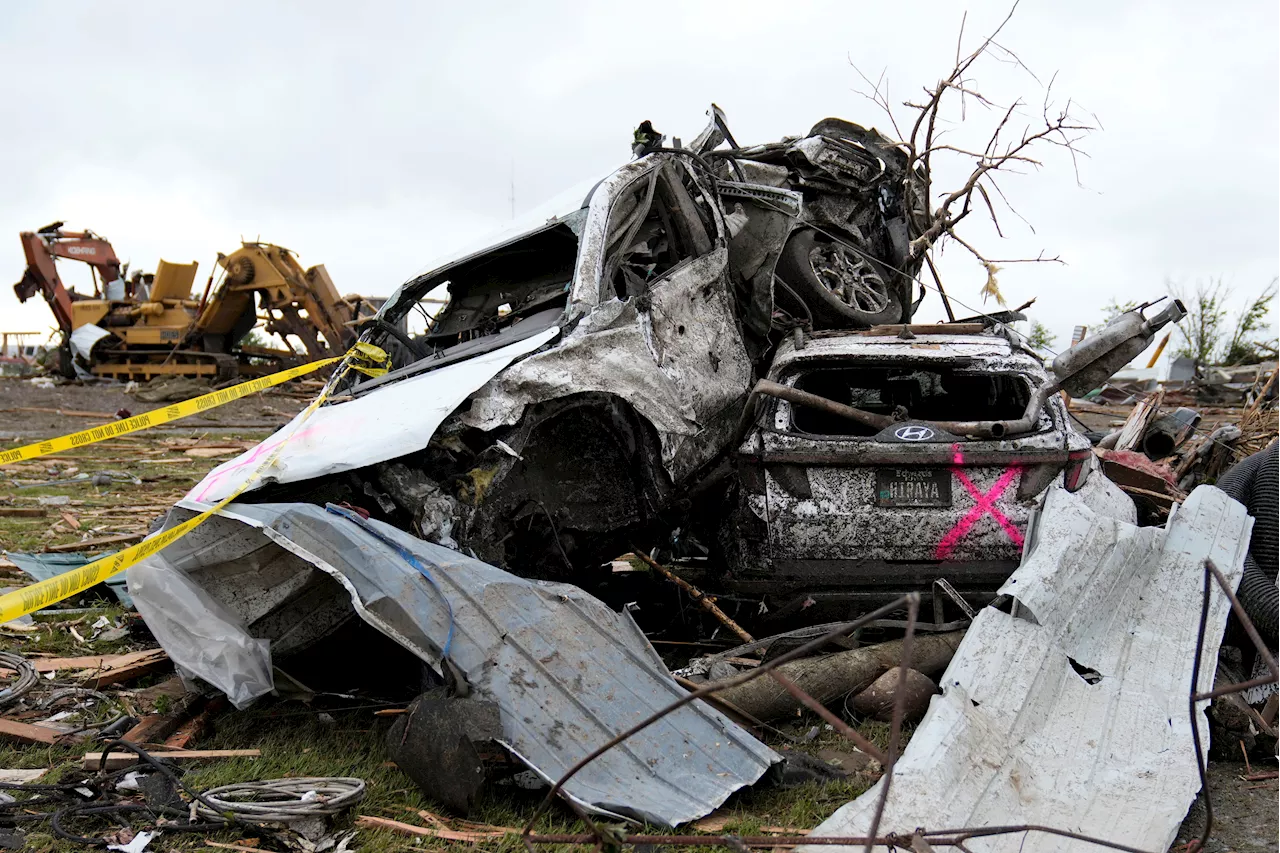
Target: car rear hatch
(853, 507)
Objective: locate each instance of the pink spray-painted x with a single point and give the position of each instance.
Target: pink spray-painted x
(984, 503)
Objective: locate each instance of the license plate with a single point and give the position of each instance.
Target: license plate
(913, 487)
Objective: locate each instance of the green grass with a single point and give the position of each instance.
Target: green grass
(294, 742)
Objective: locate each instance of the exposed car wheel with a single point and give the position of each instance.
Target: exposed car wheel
(841, 287)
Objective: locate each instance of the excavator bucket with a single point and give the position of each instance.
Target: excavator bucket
(173, 281)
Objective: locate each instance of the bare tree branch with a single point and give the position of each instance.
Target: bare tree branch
(934, 216)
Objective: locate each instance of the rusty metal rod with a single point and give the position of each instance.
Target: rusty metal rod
(935, 837)
(814, 401)
(1195, 713)
(1245, 622)
(895, 727)
(835, 722)
(951, 837)
(697, 595)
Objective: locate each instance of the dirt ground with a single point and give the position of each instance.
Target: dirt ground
(339, 735)
(1244, 812)
(94, 498)
(268, 410)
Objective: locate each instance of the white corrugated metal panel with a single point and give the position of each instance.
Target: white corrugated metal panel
(1025, 733)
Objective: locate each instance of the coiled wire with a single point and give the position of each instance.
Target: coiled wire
(280, 800)
(26, 677)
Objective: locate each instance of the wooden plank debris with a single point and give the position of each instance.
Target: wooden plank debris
(197, 725)
(105, 670)
(237, 847)
(100, 662)
(66, 413)
(89, 544)
(372, 822)
(210, 452)
(120, 760)
(114, 672)
(154, 728)
(29, 733)
(23, 512)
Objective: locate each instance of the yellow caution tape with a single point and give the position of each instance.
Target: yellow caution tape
(364, 358)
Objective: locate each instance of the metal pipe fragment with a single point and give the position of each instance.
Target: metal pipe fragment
(814, 401)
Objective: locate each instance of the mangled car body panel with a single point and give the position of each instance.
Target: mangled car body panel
(367, 429)
(660, 280)
(671, 349)
(265, 580)
(649, 311)
(1071, 711)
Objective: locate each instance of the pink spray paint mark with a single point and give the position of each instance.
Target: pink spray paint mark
(254, 457)
(984, 504)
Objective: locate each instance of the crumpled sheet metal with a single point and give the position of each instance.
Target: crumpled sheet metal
(614, 349)
(1017, 736)
(83, 339)
(567, 672)
(399, 418)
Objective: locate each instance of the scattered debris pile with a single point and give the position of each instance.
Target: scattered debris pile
(710, 355)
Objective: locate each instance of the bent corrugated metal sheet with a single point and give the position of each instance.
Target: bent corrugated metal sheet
(567, 672)
(1025, 733)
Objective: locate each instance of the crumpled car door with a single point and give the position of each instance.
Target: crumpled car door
(661, 333)
(686, 313)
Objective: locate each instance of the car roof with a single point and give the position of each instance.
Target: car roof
(990, 349)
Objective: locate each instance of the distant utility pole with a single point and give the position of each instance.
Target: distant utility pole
(513, 189)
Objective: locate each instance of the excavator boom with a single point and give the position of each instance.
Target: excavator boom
(41, 275)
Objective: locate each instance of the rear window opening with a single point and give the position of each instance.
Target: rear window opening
(938, 393)
(494, 291)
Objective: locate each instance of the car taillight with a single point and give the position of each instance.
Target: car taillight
(1079, 465)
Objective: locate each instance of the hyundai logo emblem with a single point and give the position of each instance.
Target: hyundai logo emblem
(913, 433)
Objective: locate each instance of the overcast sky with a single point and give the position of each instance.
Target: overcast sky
(372, 137)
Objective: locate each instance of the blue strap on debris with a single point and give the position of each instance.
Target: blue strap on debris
(408, 558)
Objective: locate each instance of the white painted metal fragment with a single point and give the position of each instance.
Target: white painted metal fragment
(1072, 713)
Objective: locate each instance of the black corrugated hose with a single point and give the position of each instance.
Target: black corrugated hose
(1255, 482)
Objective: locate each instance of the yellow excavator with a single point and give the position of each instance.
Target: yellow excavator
(148, 325)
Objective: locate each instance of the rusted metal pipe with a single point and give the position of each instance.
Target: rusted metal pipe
(974, 429)
(770, 388)
(1000, 429)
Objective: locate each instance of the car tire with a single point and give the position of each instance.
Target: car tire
(841, 287)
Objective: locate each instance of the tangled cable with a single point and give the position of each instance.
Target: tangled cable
(279, 800)
(27, 677)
